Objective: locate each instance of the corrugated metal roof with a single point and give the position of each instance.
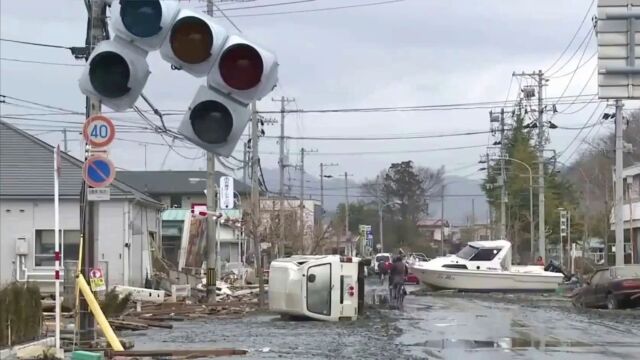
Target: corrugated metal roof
(26, 169)
(175, 214)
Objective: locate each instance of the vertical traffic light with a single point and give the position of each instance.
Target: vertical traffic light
(116, 72)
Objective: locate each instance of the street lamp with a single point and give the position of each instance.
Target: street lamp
(530, 194)
(380, 207)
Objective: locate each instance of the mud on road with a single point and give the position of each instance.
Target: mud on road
(432, 326)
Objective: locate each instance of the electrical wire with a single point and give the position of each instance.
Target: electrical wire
(38, 62)
(35, 44)
(319, 9)
(267, 5)
(586, 124)
(584, 18)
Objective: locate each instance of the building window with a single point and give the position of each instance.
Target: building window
(175, 201)
(45, 246)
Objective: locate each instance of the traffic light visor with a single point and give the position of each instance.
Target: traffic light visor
(141, 18)
(109, 74)
(211, 122)
(241, 67)
(191, 40)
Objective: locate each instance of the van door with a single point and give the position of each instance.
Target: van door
(318, 290)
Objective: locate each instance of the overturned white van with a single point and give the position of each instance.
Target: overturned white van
(322, 287)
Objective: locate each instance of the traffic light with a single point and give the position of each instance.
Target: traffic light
(194, 43)
(145, 23)
(244, 70)
(563, 223)
(116, 72)
(213, 122)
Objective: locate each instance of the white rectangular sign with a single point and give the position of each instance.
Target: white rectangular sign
(99, 194)
(226, 193)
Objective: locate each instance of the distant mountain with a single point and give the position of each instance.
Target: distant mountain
(462, 195)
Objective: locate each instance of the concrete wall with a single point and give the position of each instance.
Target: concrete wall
(20, 218)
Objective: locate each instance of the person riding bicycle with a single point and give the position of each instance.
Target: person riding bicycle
(398, 272)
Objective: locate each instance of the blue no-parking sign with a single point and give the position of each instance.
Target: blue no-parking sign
(98, 171)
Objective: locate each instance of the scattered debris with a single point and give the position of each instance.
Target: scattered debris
(185, 354)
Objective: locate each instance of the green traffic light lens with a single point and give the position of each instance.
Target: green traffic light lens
(191, 40)
(109, 74)
(211, 121)
(141, 17)
(241, 66)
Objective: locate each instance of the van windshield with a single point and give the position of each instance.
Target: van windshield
(384, 258)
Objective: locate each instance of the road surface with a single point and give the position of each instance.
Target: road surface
(438, 326)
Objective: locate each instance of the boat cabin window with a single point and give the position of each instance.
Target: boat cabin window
(467, 252)
(485, 255)
(319, 289)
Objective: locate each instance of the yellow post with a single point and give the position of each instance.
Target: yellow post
(98, 314)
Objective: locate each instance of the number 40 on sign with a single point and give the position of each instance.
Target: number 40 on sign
(99, 131)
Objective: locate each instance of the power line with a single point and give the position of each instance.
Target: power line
(38, 62)
(36, 44)
(319, 9)
(267, 5)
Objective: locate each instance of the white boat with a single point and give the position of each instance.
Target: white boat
(484, 266)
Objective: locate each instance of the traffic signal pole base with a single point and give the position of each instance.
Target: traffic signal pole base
(211, 285)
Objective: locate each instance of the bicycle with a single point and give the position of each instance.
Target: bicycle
(396, 296)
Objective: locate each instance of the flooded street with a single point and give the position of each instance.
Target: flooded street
(441, 326)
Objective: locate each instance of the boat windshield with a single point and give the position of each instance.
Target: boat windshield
(467, 252)
(624, 272)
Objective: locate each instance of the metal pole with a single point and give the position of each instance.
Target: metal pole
(532, 227)
(380, 226)
(619, 198)
(301, 251)
(541, 207)
(503, 182)
(66, 141)
(442, 224)
(245, 160)
(569, 240)
(255, 201)
(56, 220)
(281, 165)
(211, 229)
(561, 242)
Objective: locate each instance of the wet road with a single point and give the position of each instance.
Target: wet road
(441, 326)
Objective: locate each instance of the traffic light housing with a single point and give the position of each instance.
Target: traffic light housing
(144, 23)
(214, 122)
(194, 43)
(244, 70)
(116, 72)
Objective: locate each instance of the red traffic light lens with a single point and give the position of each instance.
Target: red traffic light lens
(109, 74)
(141, 17)
(191, 40)
(211, 122)
(241, 67)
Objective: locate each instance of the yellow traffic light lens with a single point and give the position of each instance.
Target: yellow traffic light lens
(241, 66)
(211, 121)
(191, 40)
(109, 74)
(141, 17)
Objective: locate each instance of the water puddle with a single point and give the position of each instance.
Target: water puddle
(502, 343)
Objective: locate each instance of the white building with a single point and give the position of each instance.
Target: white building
(128, 230)
(631, 213)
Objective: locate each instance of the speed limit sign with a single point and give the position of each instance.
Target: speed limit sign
(99, 131)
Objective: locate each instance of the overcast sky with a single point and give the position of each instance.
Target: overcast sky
(412, 52)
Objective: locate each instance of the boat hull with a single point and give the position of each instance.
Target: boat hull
(487, 281)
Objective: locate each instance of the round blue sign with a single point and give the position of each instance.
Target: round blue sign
(98, 171)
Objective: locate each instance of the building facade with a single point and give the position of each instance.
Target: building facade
(128, 229)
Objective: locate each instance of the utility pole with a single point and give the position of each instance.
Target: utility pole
(96, 33)
(245, 161)
(282, 165)
(66, 141)
(255, 202)
(539, 78)
(442, 223)
(503, 182)
(211, 222)
(346, 208)
(322, 176)
(302, 200)
(619, 187)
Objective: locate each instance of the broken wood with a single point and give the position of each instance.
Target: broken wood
(127, 325)
(187, 354)
(149, 323)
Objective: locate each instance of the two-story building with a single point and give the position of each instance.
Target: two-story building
(631, 215)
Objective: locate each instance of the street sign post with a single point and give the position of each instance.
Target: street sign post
(226, 193)
(96, 280)
(98, 171)
(98, 131)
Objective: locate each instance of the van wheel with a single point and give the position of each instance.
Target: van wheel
(612, 302)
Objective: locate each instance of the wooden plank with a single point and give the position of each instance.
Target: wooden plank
(149, 323)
